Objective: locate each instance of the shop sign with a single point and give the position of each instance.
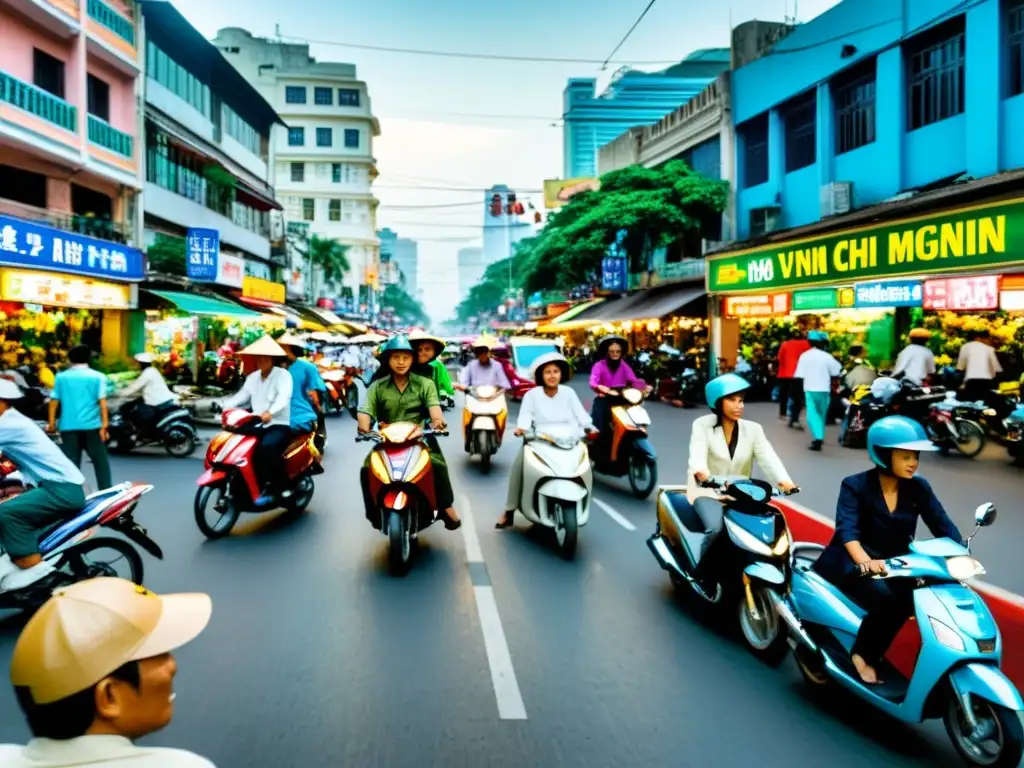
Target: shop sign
(819, 298)
(615, 266)
(55, 290)
(972, 238)
(964, 294)
(230, 270)
(265, 290)
(893, 293)
(756, 306)
(36, 246)
(202, 247)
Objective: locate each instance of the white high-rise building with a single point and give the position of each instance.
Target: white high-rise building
(471, 269)
(322, 163)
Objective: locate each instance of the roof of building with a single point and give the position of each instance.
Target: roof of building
(170, 31)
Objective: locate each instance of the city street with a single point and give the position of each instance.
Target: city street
(317, 657)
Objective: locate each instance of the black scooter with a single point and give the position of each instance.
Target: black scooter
(168, 425)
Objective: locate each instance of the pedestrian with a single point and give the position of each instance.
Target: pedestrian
(80, 393)
(92, 671)
(816, 369)
(860, 373)
(790, 395)
(980, 365)
(916, 362)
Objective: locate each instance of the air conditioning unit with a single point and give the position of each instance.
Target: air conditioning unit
(765, 220)
(836, 198)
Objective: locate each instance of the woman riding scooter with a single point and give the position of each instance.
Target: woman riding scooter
(724, 444)
(876, 517)
(551, 408)
(610, 373)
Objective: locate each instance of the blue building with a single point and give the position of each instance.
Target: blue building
(876, 98)
(633, 98)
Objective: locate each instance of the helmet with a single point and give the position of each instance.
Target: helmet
(607, 341)
(896, 432)
(394, 344)
(723, 386)
(884, 388)
(417, 336)
(551, 357)
(920, 333)
(817, 337)
(9, 390)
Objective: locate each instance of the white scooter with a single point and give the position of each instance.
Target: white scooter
(557, 486)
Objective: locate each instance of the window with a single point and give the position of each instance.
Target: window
(334, 211)
(324, 137)
(98, 98)
(240, 130)
(296, 137)
(352, 138)
(800, 118)
(348, 97)
(295, 94)
(936, 76)
(336, 173)
(854, 98)
(298, 171)
(322, 96)
(1015, 40)
(308, 208)
(179, 81)
(48, 73)
(755, 151)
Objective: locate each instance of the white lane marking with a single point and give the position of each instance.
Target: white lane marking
(614, 515)
(499, 658)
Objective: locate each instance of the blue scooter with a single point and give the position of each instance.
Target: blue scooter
(957, 675)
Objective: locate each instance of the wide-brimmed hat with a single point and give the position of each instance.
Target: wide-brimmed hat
(90, 629)
(264, 346)
(484, 342)
(418, 336)
(547, 359)
(607, 341)
(290, 340)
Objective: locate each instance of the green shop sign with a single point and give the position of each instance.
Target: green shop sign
(816, 298)
(953, 241)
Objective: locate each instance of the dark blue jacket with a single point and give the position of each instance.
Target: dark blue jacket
(861, 515)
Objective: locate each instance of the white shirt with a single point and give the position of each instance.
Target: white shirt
(709, 453)
(916, 362)
(36, 455)
(817, 368)
(560, 416)
(273, 393)
(979, 361)
(350, 358)
(94, 752)
(151, 386)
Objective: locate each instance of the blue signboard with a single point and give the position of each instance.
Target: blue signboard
(37, 246)
(614, 273)
(202, 250)
(890, 293)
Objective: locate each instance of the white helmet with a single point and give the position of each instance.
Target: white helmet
(547, 359)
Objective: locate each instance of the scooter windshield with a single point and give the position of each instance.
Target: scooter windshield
(753, 492)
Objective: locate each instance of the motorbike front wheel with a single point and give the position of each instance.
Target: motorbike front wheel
(224, 508)
(483, 447)
(399, 544)
(764, 634)
(566, 529)
(180, 442)
(971, 440)
(997, 741)
(643, 475)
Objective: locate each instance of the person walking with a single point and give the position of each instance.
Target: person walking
(980, 365)
(80, 394)
(816, 369)
(790, 395)
(916, 362)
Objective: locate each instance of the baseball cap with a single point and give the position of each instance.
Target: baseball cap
(88, 630)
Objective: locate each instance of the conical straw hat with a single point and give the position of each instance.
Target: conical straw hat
(290, 340)
(264, 347)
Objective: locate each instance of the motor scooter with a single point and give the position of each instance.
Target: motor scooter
(557, 486)
(627, 451)
(483, 423)
(229, 484)
(69, 545)
(754, 532)
(957, 675)
(1014, 426)
(342, 393)
(170, 425)
(402, 500)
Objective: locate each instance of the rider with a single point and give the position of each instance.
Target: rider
(876, 518)
(552, 408)
(724, 444)
(483, 371)
(405, 396)
(307, 413)
(268, 393)
(58, 494)
(151, 387)
(428, 352)
(609, 373)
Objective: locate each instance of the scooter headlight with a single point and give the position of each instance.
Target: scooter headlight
(989, 412)
(747, 540)
(946, 635)
(632, 396)
(964, 568)
(782, 545)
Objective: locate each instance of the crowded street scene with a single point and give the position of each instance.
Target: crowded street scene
(323, 443)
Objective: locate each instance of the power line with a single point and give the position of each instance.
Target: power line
(474, 203)
(606, 62)
(518, 191)
(480, 115)
(460, 226)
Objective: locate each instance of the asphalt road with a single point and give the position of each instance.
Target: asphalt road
(317, 657)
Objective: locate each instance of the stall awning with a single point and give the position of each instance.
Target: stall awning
(575, 317)
(655, 303)
(282, 311)
(196, 304)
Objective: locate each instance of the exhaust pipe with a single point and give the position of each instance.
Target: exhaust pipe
(786, 614)
(663, 555)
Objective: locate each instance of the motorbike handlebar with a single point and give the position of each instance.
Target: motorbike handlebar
(714, 484)
(377, 437)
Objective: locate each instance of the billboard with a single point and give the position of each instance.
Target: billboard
(558, 191)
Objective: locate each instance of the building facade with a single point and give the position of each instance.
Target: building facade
(632, 99)
(207, 134)
(70, 160)
(470, 270)
(403, 253)
(322, 163)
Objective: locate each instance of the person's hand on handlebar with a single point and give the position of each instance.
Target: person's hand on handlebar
(438, 425)
(701, 477)
(873, 567)
(519, 432)
(787, 486)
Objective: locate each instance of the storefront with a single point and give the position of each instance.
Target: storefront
(58, 289)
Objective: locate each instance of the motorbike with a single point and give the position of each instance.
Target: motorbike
(627, 451)
(957, 675)
(1014, 425)
(447, 402)
(557, 486)
(952, 424)
(755, 534)
(229, 484)
(483, 422)
(342, 393)
(170, 425)
(402, 501)
(69, 545)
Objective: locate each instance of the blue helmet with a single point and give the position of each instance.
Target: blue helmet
(817, 337)
(723, 386)
(896, 432)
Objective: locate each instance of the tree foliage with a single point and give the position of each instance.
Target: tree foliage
(494, 286)
(406, 306)
(330, 257)
(167, 255)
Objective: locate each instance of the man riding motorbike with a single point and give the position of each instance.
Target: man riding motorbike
(483, 371)
(876, 518)
(58, 494)
(428, 352)
(404, 396)
(724, 444)
(609, 373)
(268, 392)
(151, 387)
(307, 413)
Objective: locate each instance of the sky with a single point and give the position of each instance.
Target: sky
(437, 113)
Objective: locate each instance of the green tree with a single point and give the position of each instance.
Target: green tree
(494, 286)
(167, 255)
(330, 257)
(404, 304)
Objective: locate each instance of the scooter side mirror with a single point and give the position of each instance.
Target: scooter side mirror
(985, 515)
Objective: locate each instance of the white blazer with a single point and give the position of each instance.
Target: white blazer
(709, 453)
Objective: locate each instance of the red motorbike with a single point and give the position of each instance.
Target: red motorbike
(342, 393)
(230, 486)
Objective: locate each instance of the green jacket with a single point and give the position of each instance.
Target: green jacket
(442, 380)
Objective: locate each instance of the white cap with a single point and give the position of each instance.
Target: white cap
(9, 390)
(144, 357)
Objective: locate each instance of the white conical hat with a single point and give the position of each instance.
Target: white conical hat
(264, 347)
(290, 340)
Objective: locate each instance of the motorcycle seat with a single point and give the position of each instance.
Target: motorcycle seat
(61, 530)
(298, 442)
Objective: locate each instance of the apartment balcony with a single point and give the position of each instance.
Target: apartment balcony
(103, 134)
(112, 152)
(90, 226)
(112, 36)
(60, 17)
(38, 121)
